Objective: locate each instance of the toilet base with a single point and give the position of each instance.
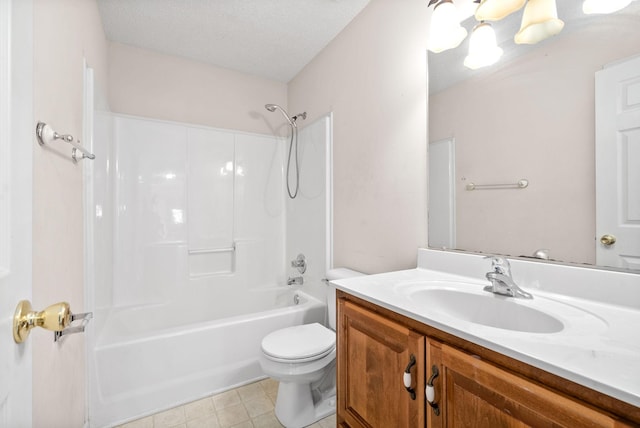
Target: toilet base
(295, 407)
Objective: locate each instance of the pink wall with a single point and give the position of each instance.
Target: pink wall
(532, 119)
(149, 84)
(373, 77)
(65, 32)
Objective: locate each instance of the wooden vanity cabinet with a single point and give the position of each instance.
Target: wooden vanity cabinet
(373, 354)
(475, 387)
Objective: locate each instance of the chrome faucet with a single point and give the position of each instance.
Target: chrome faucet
(542, 254)
(501, 281)
(296, 280)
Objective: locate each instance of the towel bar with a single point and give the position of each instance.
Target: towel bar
(46, 135)
(521, 184)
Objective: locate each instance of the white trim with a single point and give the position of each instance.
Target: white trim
(88, 204)
(16, 154)
(329, 192)
(5, 135)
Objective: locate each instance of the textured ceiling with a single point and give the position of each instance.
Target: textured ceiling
(274, 39)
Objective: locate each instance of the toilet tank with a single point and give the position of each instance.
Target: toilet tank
(332, 275)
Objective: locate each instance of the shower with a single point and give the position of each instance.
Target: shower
(220, 258)
(294, 136)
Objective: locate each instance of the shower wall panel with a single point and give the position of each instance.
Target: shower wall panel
(151, 189)
(211, 173)
(259, 207)
(101, 212)
(196, 207)
(309, 214)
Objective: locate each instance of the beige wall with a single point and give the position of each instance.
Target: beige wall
(149, 84)
(65, 32)
(533, 119)
(373, 77)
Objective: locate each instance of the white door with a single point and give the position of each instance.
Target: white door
(442, 194)
(618, 165)
(16, 141)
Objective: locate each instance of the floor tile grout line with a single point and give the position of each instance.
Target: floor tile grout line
(263, 389)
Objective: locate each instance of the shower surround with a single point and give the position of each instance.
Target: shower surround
(190, 235)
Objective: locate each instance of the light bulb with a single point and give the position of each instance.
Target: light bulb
(539, 21)
(446, 31)
(495, 10)
(483, 50)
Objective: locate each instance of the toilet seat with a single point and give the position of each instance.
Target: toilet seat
(299, 344)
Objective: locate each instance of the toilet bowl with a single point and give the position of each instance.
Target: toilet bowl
(302, 359)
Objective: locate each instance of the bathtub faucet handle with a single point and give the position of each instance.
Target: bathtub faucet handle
(299, 263)
(296, 280)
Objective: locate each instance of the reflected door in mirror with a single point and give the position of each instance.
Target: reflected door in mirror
(442, 194)
(618, 165)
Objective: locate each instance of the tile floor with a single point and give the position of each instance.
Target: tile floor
(249, 406)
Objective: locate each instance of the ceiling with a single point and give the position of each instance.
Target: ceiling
(273, 39)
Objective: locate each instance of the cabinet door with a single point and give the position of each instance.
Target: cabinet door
(474, 393)
(373, 353)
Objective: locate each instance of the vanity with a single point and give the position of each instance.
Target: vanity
(430, 347)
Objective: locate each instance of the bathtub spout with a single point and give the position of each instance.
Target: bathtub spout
(296, 280)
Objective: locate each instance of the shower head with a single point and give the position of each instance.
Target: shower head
(274, 107)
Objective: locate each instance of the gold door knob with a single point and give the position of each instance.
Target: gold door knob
(55, 318)
(607, 240)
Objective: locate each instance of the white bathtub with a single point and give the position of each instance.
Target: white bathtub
(153, 358)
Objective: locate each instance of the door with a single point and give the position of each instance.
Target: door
(16, 141)
(470, 392)
(442, 194)
(617, 160)
(374, 356)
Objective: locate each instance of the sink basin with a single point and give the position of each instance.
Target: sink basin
(488, 309)
(465, 305)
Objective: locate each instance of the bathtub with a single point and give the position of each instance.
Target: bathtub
(148, 359)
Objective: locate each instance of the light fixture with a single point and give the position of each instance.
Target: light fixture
(495, 10)
(539, 21)
(446, 31)
(483, 50)
(604, 6)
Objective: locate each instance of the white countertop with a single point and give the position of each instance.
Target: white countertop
(600, 351)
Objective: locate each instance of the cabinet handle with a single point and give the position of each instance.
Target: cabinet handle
(406, 377)
(430, 391)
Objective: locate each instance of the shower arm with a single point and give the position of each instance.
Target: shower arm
(303, 115)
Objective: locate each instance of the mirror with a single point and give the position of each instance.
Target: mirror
(530, 116)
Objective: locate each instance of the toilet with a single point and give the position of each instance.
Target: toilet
(302, 359)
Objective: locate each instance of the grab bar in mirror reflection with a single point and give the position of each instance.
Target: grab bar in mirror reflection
(521, 184)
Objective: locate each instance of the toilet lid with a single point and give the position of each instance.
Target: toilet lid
(300, 342)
